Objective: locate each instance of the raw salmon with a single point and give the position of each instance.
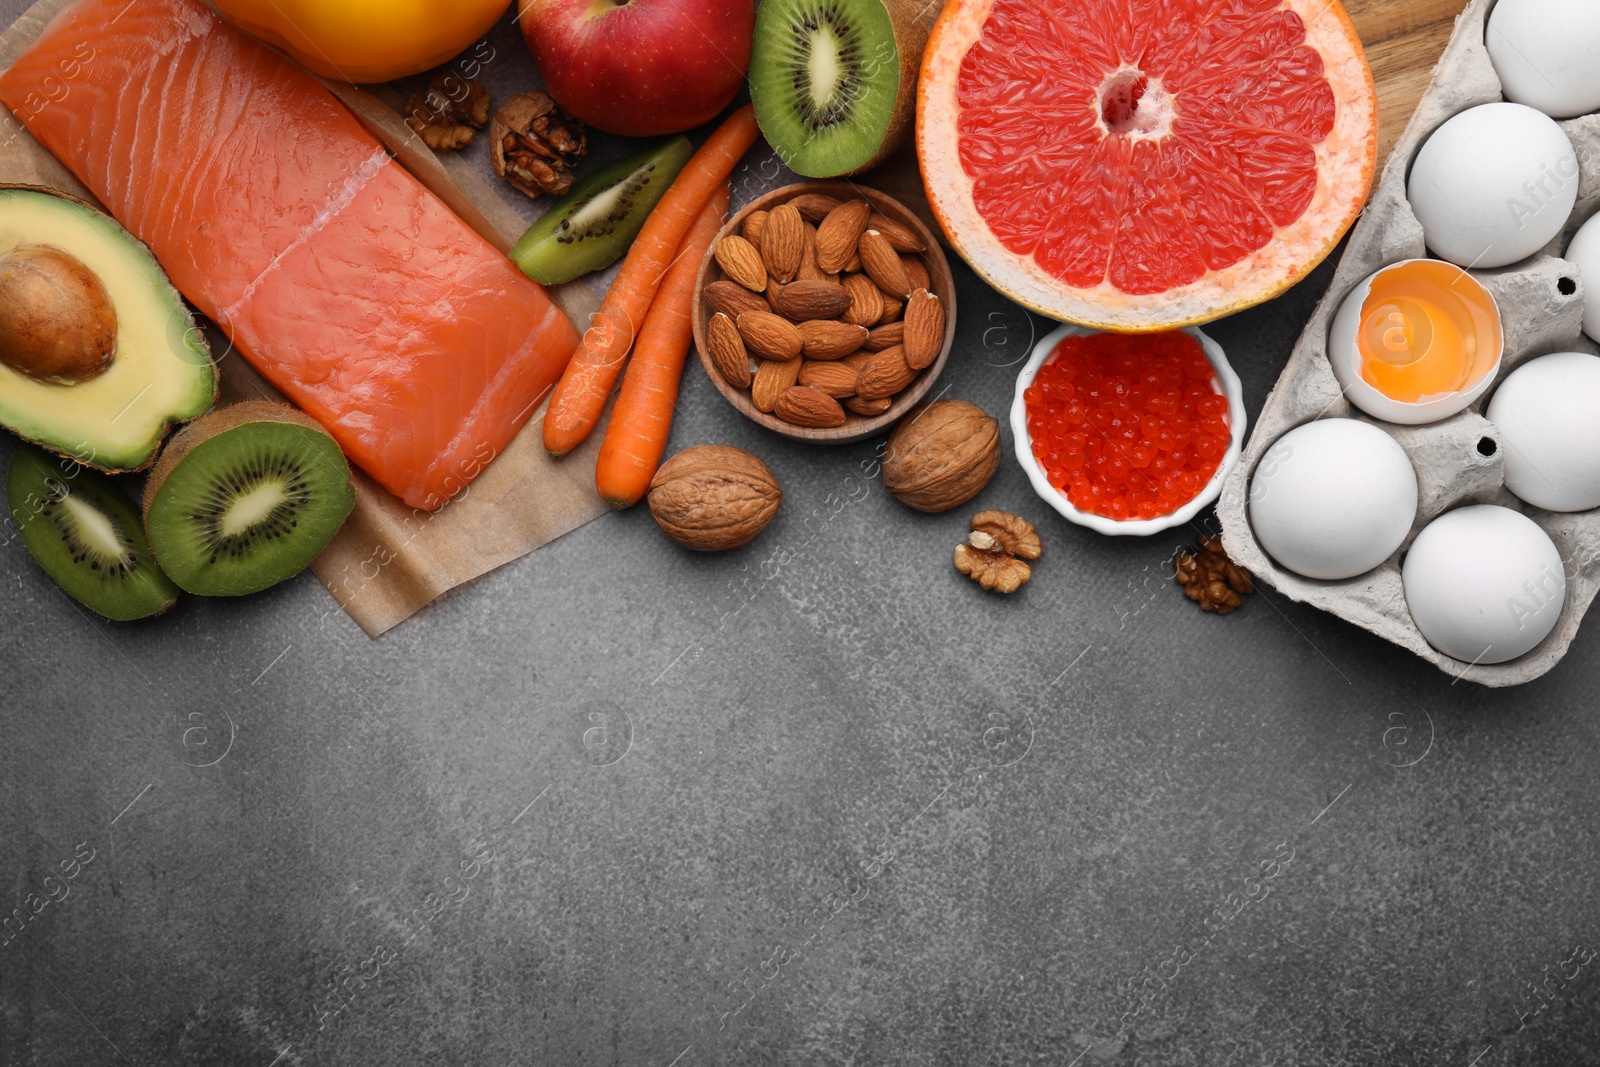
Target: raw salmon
(349, 285)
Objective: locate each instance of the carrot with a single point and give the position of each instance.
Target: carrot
(580, 396)
(637, 433)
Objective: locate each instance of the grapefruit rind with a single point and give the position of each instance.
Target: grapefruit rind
(1346, 162)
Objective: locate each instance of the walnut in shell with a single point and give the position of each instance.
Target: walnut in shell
(993, 554)
(713, 497)
(941, 455)
(534, 144)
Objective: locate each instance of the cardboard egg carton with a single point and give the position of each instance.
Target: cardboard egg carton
(1541, 305)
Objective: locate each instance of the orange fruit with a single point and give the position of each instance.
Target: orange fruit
(1140, 165)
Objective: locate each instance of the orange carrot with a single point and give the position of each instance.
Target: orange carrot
(637, 433)
(581, 394)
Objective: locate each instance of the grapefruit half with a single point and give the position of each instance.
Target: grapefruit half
(1141, 165)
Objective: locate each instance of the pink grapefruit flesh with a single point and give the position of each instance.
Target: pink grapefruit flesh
(1144, 164)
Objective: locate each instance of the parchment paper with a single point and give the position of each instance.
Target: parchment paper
(390, 560)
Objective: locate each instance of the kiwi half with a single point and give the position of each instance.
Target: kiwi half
(246, 497)
(834, 82)
(86, 534)
(590, 227)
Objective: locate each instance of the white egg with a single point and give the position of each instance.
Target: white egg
(1333, 499)
(1548, 415)
(1484, 584)
(1493, 185)
(1584, 250)
(1544, 52)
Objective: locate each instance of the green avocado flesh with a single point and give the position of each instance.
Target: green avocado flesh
(248, 507)
(824, 75)
(161, 372)
(86, 534)
(591, 227)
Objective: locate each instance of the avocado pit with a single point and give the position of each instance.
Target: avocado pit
(57, 322)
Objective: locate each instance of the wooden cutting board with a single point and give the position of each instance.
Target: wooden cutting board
(1403, 39)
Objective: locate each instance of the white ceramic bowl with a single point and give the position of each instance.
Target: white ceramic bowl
(1138, 527)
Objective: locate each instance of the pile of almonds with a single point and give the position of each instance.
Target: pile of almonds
(833, 302)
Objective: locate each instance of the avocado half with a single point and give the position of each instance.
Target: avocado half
(160, 371)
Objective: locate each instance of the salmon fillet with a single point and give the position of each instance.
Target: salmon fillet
(339, 276)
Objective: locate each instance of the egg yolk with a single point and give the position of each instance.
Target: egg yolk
(1428, 329)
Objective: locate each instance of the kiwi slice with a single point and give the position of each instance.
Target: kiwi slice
(86, 534)
(834, 82)
(590, 227)
(245, 497)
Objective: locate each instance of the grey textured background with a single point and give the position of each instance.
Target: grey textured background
(817, 801)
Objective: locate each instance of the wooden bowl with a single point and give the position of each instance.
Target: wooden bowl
(942, 284)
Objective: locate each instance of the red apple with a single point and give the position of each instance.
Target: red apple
(641, 67)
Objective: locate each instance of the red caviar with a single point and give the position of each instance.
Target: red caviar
(1128, 426)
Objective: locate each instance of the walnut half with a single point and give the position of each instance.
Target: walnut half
(534, 144)
(1210, 578)
(993, 553)
(449, 113)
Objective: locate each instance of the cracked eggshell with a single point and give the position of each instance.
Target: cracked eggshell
(1544, 52)
(1345, 357)
(1493, 185)
(1484, 584)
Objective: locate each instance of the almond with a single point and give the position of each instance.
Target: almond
(726, 350)
(804, 406)
(771, 379)
(802, 300)
(740, 261)
(923, 329)
(774, 288)
(754, 223)
(814, 207)
(885, 336)
(838, 233)
(885, 374)
(835, 379)
(856, 360)
(892, 310)
(769, 336)
(732, 299)
(854, 266)
(866, 300)
(810, 270)
(783, 242)
(830, 339)
(870, 408)
(903, 237)
(916, 272)
(882, 263)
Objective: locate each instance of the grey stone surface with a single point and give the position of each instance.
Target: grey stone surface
(819, 801)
